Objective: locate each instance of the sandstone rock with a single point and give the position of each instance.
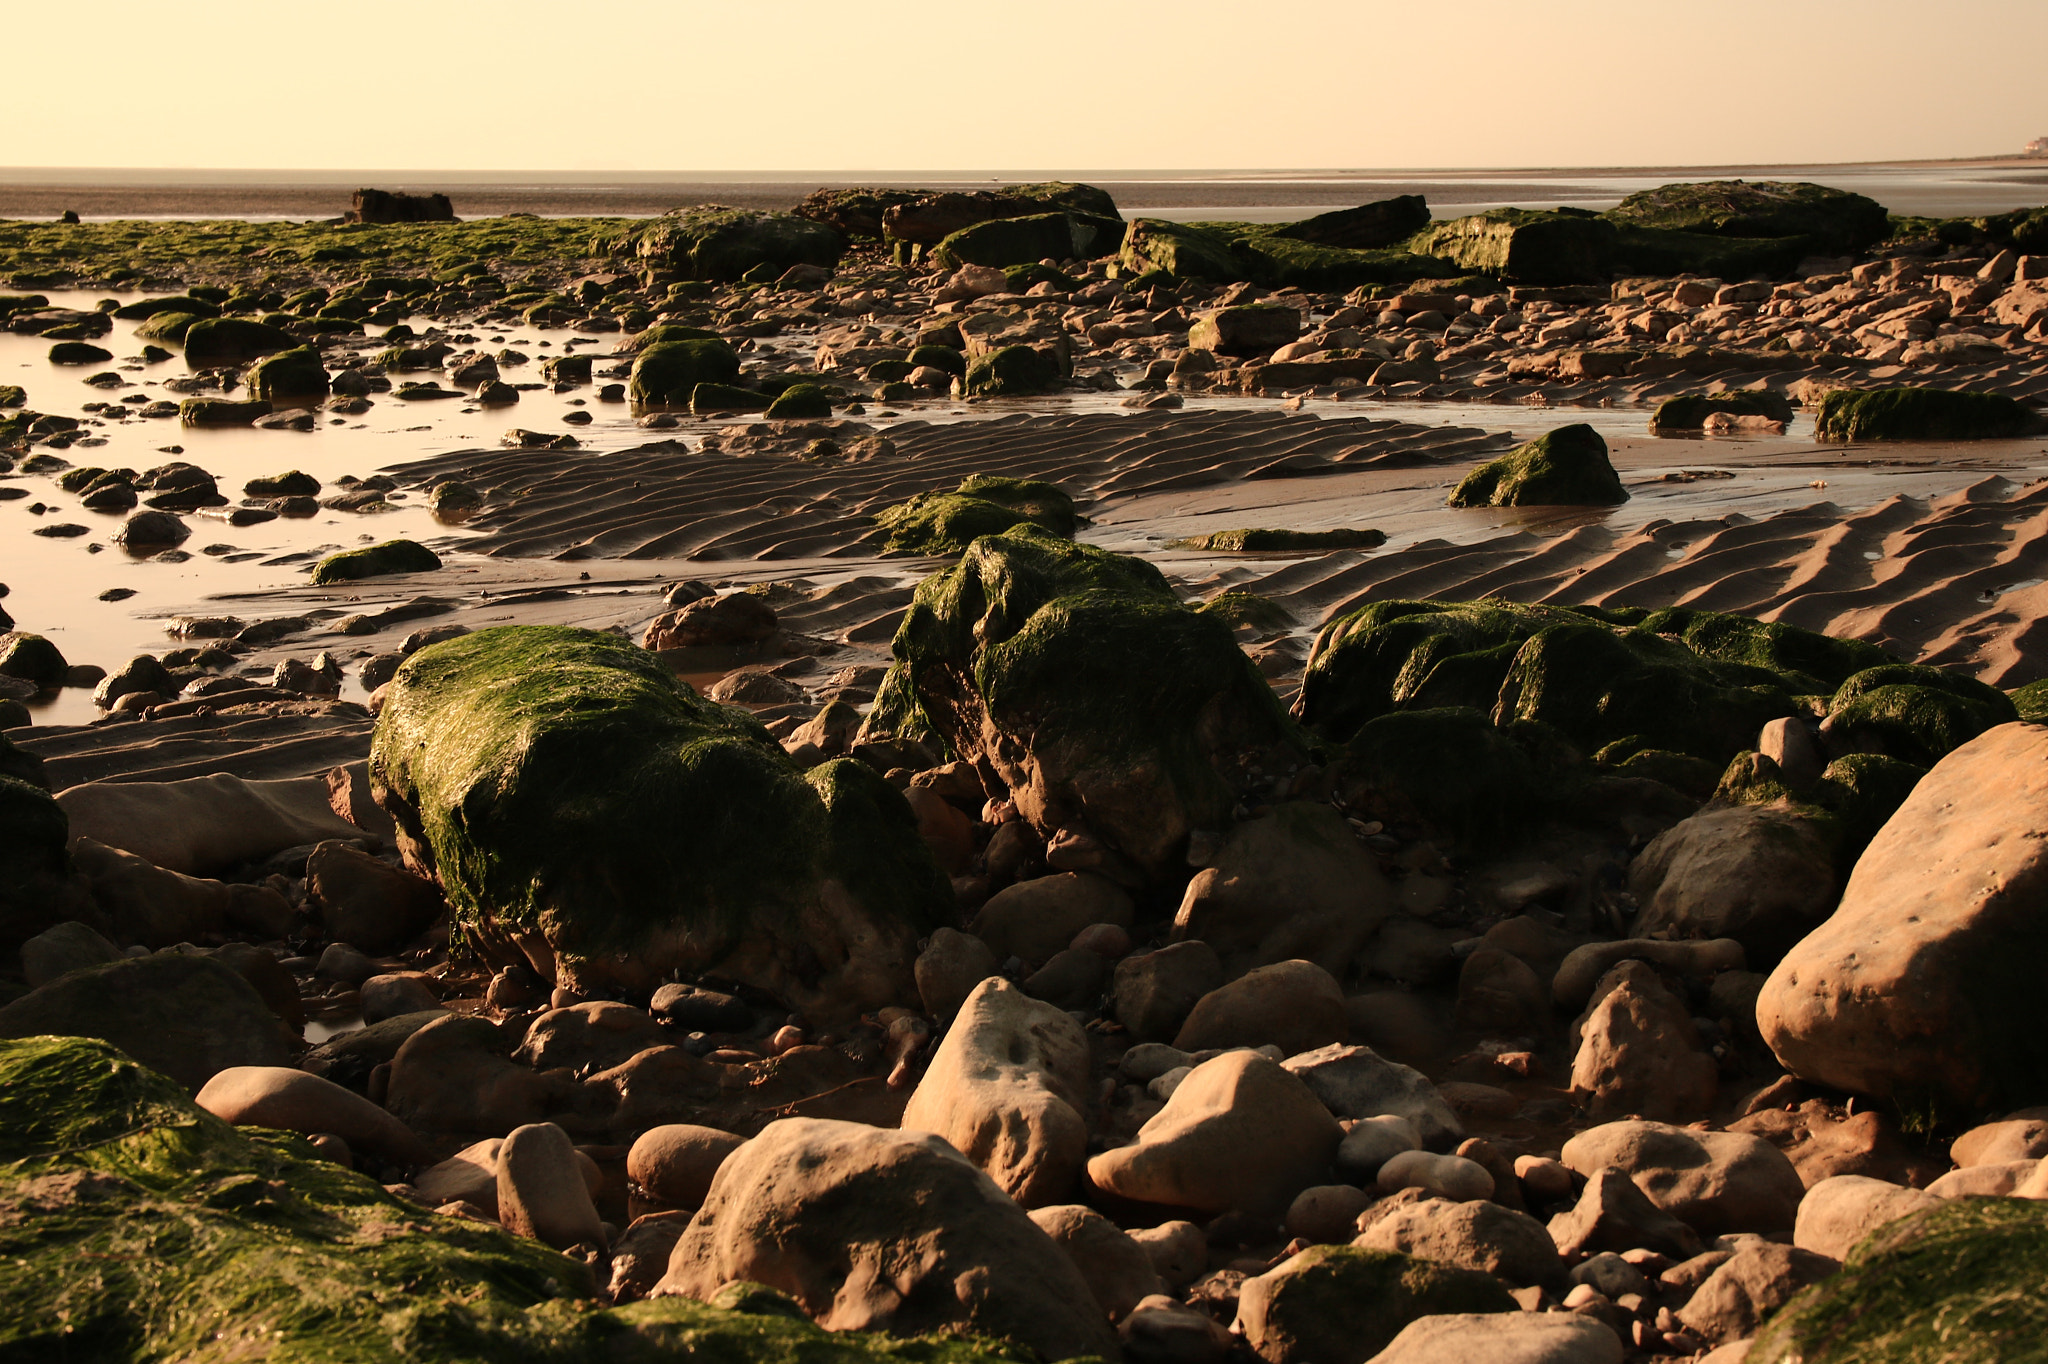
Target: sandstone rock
(1821, 1142)
(676, 1162)
(541, 1190)
(456, 1074)
(1246, 329)
(156, 907)
(278, 1096)
(1034, 919)
(1373, 1142)
(1584, 967)
(1117, 1269)
(1917, 983)
(870, 1229)
(1640, 1053)
(948, 833)
(1451, 1177)
(1009, 1088)
(1238, 1133)
(1072, 980)
(1514, 1338)
(1985, 1181)
(1763, 875)
(2018, 1136)
(469, 1176)
(1357, 1082)
(1715, 1182)
(395, 994)
(1837, 1213)
(593, 1036)
(1179, 1252)
(1500, 995)
(735, 618)
(367, 902)
(1325, 1213)
(68, 946)
(1343, 1304)
(949, 968)
(1761, 1278)
(1155, 991)
(1292, 884)
(1294, 1005)
(640, 1257)
(203, 825)
(1163, 1331)
(1472, 1235)
(1613, 1214)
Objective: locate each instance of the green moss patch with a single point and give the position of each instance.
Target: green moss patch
(295, 373)
(1011, 372)
(393, 556)
(1914, 713)
(1567, 467)
(1829, 221)
(946, 523)
(1881, 414)
(1690, 411)
(712, 242)
(666, 373)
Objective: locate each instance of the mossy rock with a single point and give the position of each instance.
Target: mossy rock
(1253, 541)
(1955, 1284)
(1369, 227)
(12, 395)
(1690, 411)
(946, 523)
(710, 398)
(670, 331)
(292, 483)
(393, 556)
(1345, 1304)
(34, 835)
(1242, 610)
(1689, 682)
(1267, 255)
(1005, 242)
(1026, 276)
(800, 402)
(565, 783)
(145, 308)
(1914, 713)
(2031, 701)
(150, 1229)
(1880, 414)
(32, 658)
(1448, 769)
(712, 242)
(232, 341)
(1011, 372)
(168, 326)
(1079, 677)
(294, 373)
(666, 373)
(1567, 467)
(1829, 221)
(1530, 246)
(221, 411)
(79, 353)
(1177, 251)
(945, 358)
(1663, 253)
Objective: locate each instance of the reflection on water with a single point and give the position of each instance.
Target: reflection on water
(326, 1030)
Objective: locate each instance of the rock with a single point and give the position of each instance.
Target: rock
(1564, 467)
(1009, 1089)
(69, 946)
(1292, 884)
(693, 1008)
(455, 1074)
(1155, 991)
(676, 1162)
(735, 618)
(1613, 1214)
(368, 902)
(666, 373)
(390, 206)
(1640, 1053)
(1011, 372)
(189, 1017)
(1840, 1211)
(395, 994)
(1294, 1005)
(1369, 227)
(1690, 411)
(1472, 1235)
(1034, 919)
(589, 1037)
(1247, 329)
(1985, 1181)
(1451, 1177)
(1358, 1083)
(1500, 995)
(1914, 985)
(1741, 1294)
(984, 504)
(819, 897)
(392, 556)
(713, 242)
(1833, 221)
(1763, 875)
(469, 1176)
(1325, 1213)
(278, 1096)
(1034, 634)
(1371, 1143)
(541, 1190)
(1585, 967)
(1344, 1304)
(1513, 1338)
(1715, 1182)
(145, 904)
(1822, 1141)
(640, 1257)
(867, 1227)
(1238, 1133)
(202, 825)
(295, 373)
(2019, 1136)
(1163, 1331)
(212, 342)
(1115, 1267)
(1885, 414)
(1178, 1251)
(949, 968)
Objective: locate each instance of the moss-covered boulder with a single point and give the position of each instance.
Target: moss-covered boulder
(1259, 541)
(800, 403)
(1567, 467)
(393, 556)
(1369, 227)
(168, 326)
(1913, 713)
(712, 242)
(1921, 414)
(1692, 682)
(143, 1227)
(1077, 676)
(568, 790)
(1831, 221)
(32, 658)
(1012, 372)
(1534, 247)
(2031, 701)
(144, 308)
(35, 869)
(984, 504)
(1343, 1304)
(1449, 770)
(857, 211)
(1178, 250)
(667, 373)
(296, 373)
(1852, 799)
(1020, 241)
(711, 398)
(221, 411)
(1689, 412)
(232, 341)
(1268, 255)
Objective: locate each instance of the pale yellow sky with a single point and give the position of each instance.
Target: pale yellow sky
(1059, 84)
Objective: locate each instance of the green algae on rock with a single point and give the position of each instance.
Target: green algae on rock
(1921, 414)
(1003, 242)
(800, 402)
(566, 788)
(983, 504)
(666, 373)
(295, 373)
(213, 341)
(1689, 412)
(1567, 467)
(1534, 247)
(1343, 1304)
(393, 556)
(1914, 713)
(1178, 251)
(1103, 703)
(712, 242)
(32, 658)
(1010, 372)
(1832, 221)
(1284, 541)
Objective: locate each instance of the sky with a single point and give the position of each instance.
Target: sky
(681, 85)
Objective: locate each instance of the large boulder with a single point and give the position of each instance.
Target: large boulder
(1008, 1087)
(37, 888)
(1641, 1053)
(666, 373)
(1238, 1132)
(871, 1229)
(1180, 250)
(1108, 708)
(1516, 1338)
(1119, 1270)
(713, 242)
(147, 904)
(1841, 1210)
(571, 795)
(1921, 986)
(1296, 1006)
(1369, 227)
(1567, 467)
(1357, 1083)
(1835, 222)
(200, 825)
(1030, 238)
(188, 1016)
(289, 374)
(1476, 1234)
(1879, 414)
(213, 341)
(1528, 246)
(983, 504)
(927, 219)
(1911, 713)
(1343, 1304)
(1763, 875)
(1714, 1182)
